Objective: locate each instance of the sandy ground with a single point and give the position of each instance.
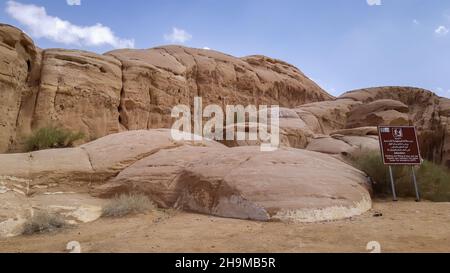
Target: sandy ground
(405, 226)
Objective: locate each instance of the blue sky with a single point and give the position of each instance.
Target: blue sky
(341, 44)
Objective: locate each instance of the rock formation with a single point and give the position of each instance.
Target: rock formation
(19, 75)
(130, 89)
(428, 112)
(206, 177)
(122, 102)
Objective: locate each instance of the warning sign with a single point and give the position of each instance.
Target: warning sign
(399, 145)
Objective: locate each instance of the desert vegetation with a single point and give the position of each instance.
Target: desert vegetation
(51, 137)
(126, 204)
(43, 222)
(433, 179)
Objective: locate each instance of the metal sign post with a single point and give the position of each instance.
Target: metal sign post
(416, 187)
(394, 194)
(399, 146)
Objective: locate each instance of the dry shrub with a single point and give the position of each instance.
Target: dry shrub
(43, 222)
(126, 204)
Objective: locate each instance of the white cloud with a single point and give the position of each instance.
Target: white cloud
(374, 2)
(41, 25)
(442, 92)
(206, 48)
(441, 31)
(416, 22)
(178, 36)
(73, 2)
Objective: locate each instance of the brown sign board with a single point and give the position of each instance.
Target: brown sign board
(399, 145)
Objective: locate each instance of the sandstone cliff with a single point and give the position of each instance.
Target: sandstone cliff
(136, 89)
(130, 89)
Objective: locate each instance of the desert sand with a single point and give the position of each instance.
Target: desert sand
(404, 226)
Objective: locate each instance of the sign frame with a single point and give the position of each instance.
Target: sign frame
(416, 144)
(411, 164)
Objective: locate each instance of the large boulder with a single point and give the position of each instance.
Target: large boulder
(360, 131)
(243, 182)
(380, 112)
(207, 177)
(345, 145)
(330, 145)
(80, 168)
(327, 116)
(293, 131)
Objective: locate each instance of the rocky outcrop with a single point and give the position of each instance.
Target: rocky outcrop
(379, 112)
(293, 131)
(344, 145)
(428, 112)
(137, 89)
(375, 107)
(80, 91)
(85, 166)
(205, 177)
(19, 71)
(157, 79)
(130, 89)
(327, 116)
(288, 184)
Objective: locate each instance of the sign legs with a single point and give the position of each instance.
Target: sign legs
(415, 184)
(394, 194)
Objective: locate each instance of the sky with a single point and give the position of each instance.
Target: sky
(342, 45)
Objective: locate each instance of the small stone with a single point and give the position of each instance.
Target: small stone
(377, 214)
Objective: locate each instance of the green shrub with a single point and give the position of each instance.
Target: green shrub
(126, 204)
(433, 180)
(42, 222)
(51, 137)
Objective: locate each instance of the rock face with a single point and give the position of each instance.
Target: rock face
(130, 89)
(327, 116)
(245, 183)
(19, 71)
(119, 99)
(137, 89)
(205, 177)
(157, 79)
(79, 168)
(80, 91)
(386, 112)
(428, 112)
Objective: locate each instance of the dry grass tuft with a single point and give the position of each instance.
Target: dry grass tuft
(126, 204)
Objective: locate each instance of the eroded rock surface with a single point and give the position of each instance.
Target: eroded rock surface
(428, 112)
(288, 184)
(206, 177)
(130, 89)
(82, 167)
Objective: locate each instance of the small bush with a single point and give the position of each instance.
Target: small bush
(433, 180)
(51, 137)
(126, 204)
(43, 222)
